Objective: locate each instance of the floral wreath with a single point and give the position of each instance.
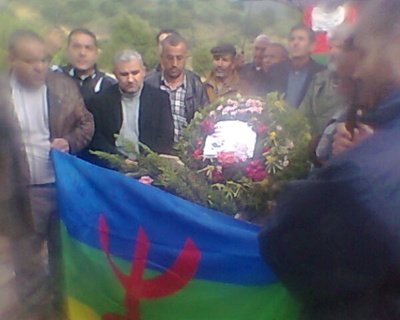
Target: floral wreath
(251, 180)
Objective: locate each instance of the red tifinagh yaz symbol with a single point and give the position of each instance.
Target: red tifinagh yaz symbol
(136, 288)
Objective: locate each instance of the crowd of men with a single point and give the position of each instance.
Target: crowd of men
(77, 108)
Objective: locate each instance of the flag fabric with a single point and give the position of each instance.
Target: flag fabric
(132, 251)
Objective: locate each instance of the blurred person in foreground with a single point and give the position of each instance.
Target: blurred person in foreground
(16, 223)
(50, 113)
(323, 103)
(334, 239)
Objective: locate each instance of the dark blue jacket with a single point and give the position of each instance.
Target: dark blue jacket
(334, 239)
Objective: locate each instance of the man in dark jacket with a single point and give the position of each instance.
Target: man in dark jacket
(293, 77)
(334, 239)
(82, 52)
(132, 110)
(186, 92)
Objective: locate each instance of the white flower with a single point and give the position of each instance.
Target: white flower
(286, 163)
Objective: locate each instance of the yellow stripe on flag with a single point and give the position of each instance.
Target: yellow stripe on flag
(80, 311)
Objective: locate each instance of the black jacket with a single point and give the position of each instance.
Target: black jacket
(195, 96)
(92, 85)
(156, 127)
(277, 77)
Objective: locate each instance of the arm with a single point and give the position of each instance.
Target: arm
(165, 132)
(71, 124)
(99, 141)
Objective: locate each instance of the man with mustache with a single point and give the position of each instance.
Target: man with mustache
(185, 89)
(223, 79)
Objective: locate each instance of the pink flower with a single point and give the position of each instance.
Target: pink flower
(197, 154)
(255, 170)
(199, 143)
(217, 176)
(207, 126)
(227, 158)
(146, 180)
(260, 128)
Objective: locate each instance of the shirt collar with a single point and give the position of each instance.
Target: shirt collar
(165, 83)
(73, 74)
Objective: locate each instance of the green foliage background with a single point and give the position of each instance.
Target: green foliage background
(134, 23)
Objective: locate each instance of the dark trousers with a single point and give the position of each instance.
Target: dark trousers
(37, 257)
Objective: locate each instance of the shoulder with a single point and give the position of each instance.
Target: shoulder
(246, 67)
(191, 76)
(153, 78)
(280, 67)
(108, 79)
(112, 92)
(316, 67)
(105, 97)
(60, 83)
(151, 93)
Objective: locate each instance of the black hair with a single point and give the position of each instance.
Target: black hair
(83, 31)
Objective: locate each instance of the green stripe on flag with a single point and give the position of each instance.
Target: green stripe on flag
(90, 281)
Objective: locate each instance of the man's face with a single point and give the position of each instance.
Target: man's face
(82, 52)
(272, 55)
(372, 70)
(299, 44)
(258, 51)
(335, 50)
(130, 75)
(173, 60)
(223, 65)
(29, 63)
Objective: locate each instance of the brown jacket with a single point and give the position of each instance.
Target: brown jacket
(68, 116)
(231, 86)
(68, 119)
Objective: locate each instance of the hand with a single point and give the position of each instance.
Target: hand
(60, 144)
(343, 139)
